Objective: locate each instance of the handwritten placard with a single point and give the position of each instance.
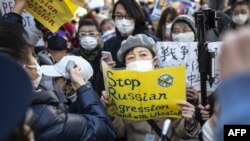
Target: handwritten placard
(51, 13)
(136, 95)
(186, 53)
(80, 3)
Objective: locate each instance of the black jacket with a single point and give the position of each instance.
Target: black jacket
(52, 121)
(12, 18)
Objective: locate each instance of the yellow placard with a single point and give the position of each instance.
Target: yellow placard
(146, 95)
(51, 13)
(81, 3)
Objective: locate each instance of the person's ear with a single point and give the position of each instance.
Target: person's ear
(68, 45)
(155, 61)
(98, 36)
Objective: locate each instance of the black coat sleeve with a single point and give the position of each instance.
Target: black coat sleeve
(91, 123)
(12, 18)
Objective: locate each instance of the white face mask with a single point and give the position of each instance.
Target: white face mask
(142, 65)
(240, 19)
(88, 42)
(36, 82)
(168, 28)
(183, 37)
(125, 26)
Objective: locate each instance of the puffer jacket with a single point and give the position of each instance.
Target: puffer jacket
(52, 122)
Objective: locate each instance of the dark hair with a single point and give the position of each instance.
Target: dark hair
(162, 22)
(231, 2)
(87, 22)
(13, 41)
(108, 20)
(134, 10)
(241, 2)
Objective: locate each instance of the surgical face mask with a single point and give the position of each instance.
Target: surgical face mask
(88, 42)
(125, 26)
(142, 65)
(168, 28)
(240, 19)
(183, 37)
(37, 81)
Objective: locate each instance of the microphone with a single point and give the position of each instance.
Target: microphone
(165, 128)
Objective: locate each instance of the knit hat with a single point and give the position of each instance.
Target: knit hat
(184, 19)
(139, 40)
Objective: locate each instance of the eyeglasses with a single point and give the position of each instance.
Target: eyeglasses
(92, 34)
(120, 17)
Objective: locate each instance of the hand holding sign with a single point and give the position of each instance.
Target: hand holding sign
(19, 6)
(105, 99)
(187, 111)
(20, 1)
(204, 110)
(135, 96)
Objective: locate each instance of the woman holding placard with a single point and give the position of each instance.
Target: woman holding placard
(138, 53)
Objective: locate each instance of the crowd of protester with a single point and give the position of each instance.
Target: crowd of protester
(55, 102)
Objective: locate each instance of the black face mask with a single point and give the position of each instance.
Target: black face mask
(57, 43)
